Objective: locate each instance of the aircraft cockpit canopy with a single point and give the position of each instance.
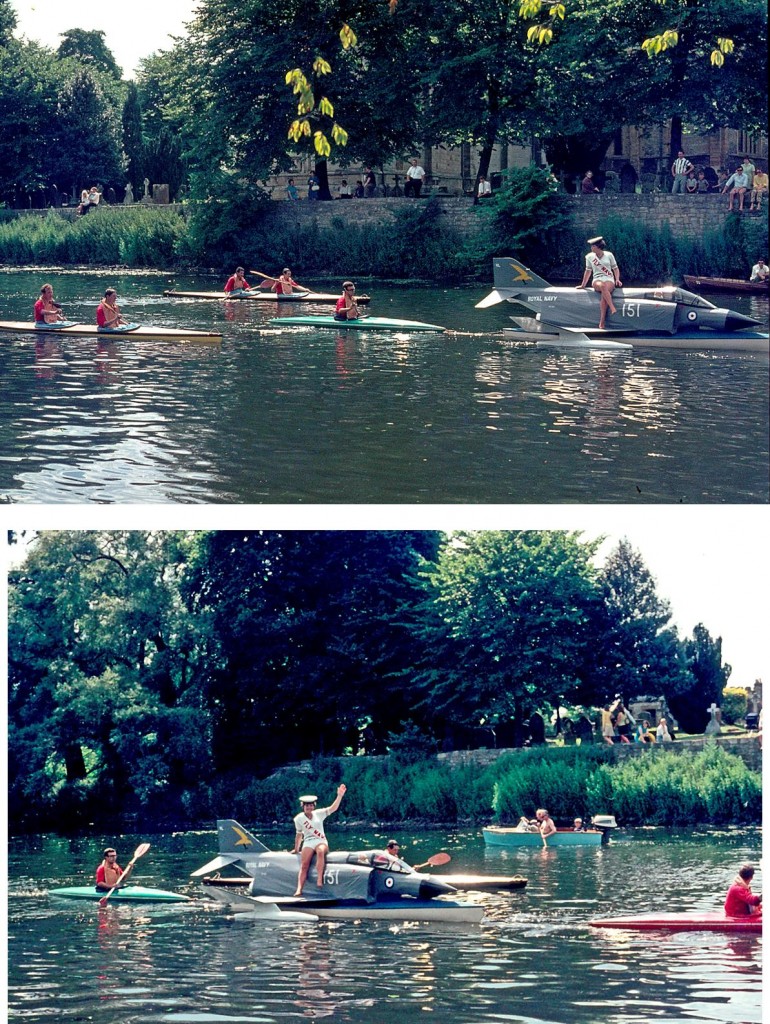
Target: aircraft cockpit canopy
(670, 293)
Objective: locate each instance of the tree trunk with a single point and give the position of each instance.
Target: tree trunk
(322, 173)
(73, 760)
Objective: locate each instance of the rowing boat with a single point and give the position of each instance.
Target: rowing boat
(264, 296)
(708, 922)
(368, 323)
(725, 284)
(497, 835)
(133, 331)
(128, 894)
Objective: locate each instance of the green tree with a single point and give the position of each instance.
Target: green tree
(103, 709)
(312, 645)
(7, 22)
(643, 649)
(29, 86)
(133, 137)
(87, 135)
(90, 50)
(510, 613)
(708, 678)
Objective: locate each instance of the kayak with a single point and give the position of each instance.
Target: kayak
(725, 284)
(264, 296)
(708, 922)
(484, 883)
(496, 835)
(143, 331)
(367, 323)
(128, 894)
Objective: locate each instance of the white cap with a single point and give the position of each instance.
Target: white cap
(309, 798)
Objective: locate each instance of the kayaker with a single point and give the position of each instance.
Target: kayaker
(602, 266)
(237, 282)
(47, 311)
(347, 307)
(310, 838)
(741, 901)
(284, 285)
(109, 871)
(108, 311)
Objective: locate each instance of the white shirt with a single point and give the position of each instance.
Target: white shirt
(681, 165)
(311, 829)
(759, 272)
(415, 171)
(485, 188)
(602, 267)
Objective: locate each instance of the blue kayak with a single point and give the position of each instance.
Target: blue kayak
(128, 894)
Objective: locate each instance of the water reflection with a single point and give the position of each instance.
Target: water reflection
(301, 415)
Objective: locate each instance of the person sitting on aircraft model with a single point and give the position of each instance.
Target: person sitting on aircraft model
(109, 871)
(310, 835)
(603, 267)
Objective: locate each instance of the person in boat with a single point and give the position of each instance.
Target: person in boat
(578, 826)
(310, 838)
(760, 271)
(545, 823)
(347, 307)
(108, 312)
(46, 310)
(285, 285)
(527, 825)
(109, 871)
(741, 901)
(237, 282)
(602, 268)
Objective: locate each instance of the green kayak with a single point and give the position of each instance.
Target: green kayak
(365, 323)
(129, 894)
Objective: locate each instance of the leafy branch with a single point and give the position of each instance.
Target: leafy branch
(309, 108)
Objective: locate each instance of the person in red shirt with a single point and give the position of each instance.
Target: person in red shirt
(238, 282)
(285, 285)
(347, 307)
(108, 311)
(46, 310)
(109, 871)
(741, 901)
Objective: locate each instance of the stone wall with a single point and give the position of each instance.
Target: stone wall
(746, 747)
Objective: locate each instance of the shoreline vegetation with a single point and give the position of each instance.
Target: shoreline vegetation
(662, 787)
(419, 239)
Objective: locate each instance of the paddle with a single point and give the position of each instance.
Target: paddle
(267, 277)
(434, 861)
(138, 852)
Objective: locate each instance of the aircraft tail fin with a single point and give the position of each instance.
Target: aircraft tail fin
(511, 274)
(234, 838)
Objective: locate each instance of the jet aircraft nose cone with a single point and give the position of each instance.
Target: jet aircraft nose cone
(431, 886)
(738, 322)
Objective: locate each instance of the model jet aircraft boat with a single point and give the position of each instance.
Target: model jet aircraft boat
(356, 884)
(666, 317)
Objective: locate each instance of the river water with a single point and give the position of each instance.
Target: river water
(535, 960)
(292, 416)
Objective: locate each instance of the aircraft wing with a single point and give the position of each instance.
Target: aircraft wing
(224, 860)
(498, 295)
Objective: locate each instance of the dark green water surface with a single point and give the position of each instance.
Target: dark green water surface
(535, 960)
(311, 416)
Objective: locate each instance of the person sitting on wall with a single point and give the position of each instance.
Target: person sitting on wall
(485, 188)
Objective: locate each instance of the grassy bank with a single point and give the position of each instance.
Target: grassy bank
(419, 244)
(659, 787)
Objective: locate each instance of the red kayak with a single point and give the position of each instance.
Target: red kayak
(706, 922)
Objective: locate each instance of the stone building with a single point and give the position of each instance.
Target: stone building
(636, 157)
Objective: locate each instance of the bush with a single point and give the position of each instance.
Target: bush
(735, 704)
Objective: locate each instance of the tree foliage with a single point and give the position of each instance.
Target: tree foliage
(156, 672)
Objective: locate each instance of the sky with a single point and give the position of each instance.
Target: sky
(712, 563)
(132, 31)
